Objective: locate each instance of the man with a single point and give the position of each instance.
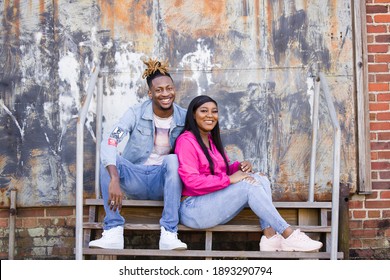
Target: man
(146, 169)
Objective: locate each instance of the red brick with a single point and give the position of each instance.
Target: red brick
(378, 87)
(45, 222)
(382, 39)
(380, 185)
(372, 78)
(30, 223)
(385, 194)
(383, 97)
(376, 9)
(376, 28)
(4, 213)
(19, 223)
(355, 244)
(383, 116)
(382, 77)
(30, 212)
(355, 224)
(380, 146)
(378, 67)
(59, 212)
(72, 221)
(373, 243)
(374, 214)
(359, 214)
(370, 224)
(382, 18)
(379, 106)
(374, 175)
(361, 233)
(386, 214)
(380, 126)
(4, 223)
(384, 175)
(378, 204)
(382, 58)
(355, 204)
(383, 135)
(372, 196)
(380, 165)
(378, 48)
(369, 19)
(384, 155)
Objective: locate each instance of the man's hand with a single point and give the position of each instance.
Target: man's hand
(115, 195)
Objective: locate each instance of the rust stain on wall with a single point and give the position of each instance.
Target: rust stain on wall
(196, 18)
(133, 17)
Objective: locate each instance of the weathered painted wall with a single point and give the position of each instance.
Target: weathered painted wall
(256, 58)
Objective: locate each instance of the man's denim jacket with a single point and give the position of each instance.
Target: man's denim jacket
(138, 123)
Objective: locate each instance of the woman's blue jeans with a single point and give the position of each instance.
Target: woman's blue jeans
(150, 182)
(219, 207)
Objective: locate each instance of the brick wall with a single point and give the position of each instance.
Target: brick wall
(370, 215)
(41, 233)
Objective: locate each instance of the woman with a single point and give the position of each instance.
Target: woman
(215, 191)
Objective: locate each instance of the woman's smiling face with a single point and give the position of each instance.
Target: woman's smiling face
(206, 117)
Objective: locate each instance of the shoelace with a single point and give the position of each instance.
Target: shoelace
(303, 237)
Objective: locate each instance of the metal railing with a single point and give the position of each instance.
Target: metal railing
(80, 155)
(336, 166)
(320, 82)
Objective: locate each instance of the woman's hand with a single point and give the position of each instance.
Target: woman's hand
(246, 166)
(240, 176)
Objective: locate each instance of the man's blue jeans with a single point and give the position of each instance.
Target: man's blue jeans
(150, 182)
(219, 207)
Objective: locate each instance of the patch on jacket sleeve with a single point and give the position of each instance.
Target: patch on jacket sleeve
(115, 136)
(112, 142)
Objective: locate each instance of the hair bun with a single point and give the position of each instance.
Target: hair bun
(154, 65)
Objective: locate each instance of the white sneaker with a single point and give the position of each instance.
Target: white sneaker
(298, 241)
(111, 239)
(169, 241)
(272, 244)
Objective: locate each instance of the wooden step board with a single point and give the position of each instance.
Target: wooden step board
(211, 254)
(155, 203)
(143, 215)
(219, 228)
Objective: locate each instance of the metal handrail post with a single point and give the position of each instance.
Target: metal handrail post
(80, 162)
(99, 116)
(336, 168)
(314, 139)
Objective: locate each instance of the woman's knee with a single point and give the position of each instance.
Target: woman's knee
(171, 162)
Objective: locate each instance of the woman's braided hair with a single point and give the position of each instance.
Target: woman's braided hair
(155, 68)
